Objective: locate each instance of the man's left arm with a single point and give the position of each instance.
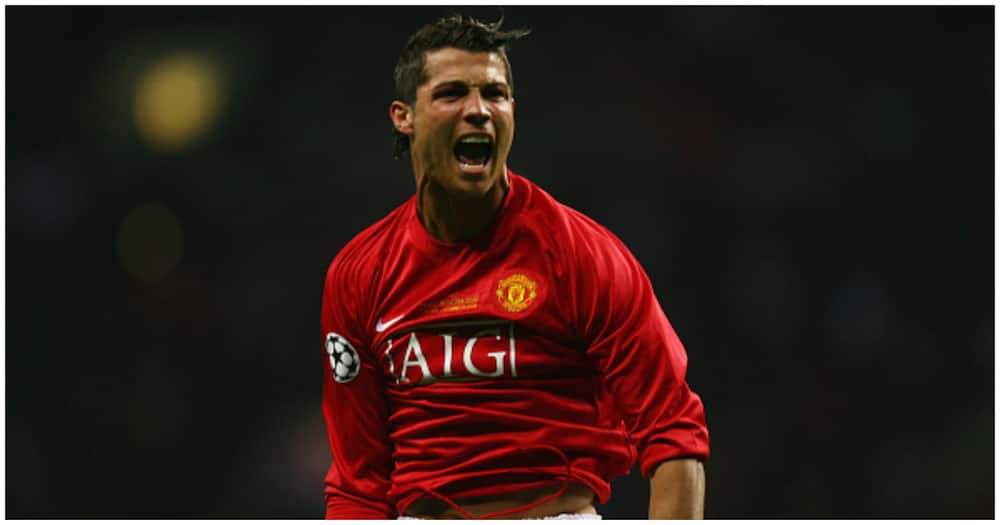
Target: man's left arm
(677, 490)
(643, 366)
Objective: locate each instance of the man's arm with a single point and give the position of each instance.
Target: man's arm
(354, 408)
(677, 490)
(643, 364)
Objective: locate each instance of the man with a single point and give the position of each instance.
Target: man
(491, 352)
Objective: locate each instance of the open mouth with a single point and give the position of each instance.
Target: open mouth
(473, 151)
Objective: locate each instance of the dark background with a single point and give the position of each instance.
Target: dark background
(809, 188)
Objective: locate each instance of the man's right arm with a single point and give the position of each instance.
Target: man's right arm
(677, 490)
(357, 484)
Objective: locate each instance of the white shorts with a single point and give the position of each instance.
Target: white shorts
(556, 517)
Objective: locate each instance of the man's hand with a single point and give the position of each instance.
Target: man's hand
(677, 490)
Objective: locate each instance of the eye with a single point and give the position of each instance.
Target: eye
(450, 92)
(495, 92)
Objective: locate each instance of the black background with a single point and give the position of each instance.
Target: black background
(809, 188)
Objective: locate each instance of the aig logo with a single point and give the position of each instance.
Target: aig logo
(453, 352)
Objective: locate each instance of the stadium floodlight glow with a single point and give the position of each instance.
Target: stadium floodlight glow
(177, 101)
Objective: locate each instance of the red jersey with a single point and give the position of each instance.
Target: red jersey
(535, 355)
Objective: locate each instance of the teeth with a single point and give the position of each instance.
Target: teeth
(476, 139)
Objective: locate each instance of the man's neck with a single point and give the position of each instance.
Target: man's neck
(451, 219)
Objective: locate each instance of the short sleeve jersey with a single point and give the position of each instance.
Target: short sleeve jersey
(535, 355)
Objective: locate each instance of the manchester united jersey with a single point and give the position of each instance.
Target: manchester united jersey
(535, 355)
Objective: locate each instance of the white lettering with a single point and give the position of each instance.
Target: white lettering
(392, 366)
(498, 356)
(414, 349)
(423, 352)
(447, 354)
(513, 353)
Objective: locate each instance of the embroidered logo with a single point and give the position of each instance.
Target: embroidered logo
(516, 292)
(381, 327)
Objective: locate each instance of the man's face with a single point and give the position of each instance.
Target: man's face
(462, 124)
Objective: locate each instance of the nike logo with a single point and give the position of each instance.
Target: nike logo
(380, 326)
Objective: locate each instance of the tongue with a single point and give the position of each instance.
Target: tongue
(472, 161)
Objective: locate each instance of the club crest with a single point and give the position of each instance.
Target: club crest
(516, 292)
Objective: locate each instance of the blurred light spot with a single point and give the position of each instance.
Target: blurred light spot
(177, 101)
(150, 242)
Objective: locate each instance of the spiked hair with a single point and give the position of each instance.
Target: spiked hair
(461, 32)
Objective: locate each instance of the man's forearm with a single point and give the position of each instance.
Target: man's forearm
(677, 490)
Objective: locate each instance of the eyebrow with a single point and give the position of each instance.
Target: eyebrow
(459, 83)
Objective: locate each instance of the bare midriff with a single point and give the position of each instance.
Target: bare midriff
(578, 499)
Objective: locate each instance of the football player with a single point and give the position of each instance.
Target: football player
(491, 352)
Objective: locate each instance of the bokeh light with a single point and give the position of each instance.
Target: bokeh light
(150, 242)
(177, 101)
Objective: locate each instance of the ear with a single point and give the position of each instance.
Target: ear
(401, 115)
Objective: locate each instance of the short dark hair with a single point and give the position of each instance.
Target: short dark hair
(461, 32)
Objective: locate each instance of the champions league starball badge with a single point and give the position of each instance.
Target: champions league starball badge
(343, 358)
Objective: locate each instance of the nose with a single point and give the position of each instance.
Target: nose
(475, 111)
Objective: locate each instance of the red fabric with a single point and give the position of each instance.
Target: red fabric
(533, 356)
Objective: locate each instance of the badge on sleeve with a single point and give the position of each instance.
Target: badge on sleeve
(343, 358)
